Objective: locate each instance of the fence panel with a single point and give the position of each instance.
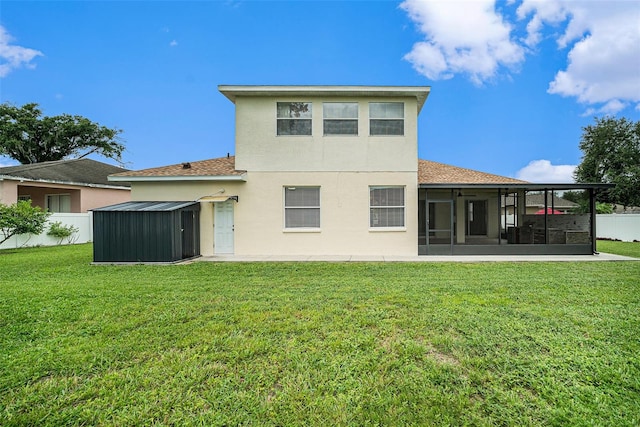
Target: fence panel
(82, 221)
(625, 227)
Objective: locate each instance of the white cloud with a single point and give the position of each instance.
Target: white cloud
(468, 38)
(542, 171)
(478, 39)
(13, 56)
(173, 43)
(604, 64)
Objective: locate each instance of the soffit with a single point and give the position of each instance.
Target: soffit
(419, 92)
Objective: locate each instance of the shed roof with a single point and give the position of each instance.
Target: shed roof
(74, 172)
(147, 206)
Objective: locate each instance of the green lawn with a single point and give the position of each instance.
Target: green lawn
(631, 249)
(317, 343)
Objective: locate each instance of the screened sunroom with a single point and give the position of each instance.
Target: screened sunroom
(496, 219)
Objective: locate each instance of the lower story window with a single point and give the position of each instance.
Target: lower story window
(60, 203)
(386, 207)
(302, 207)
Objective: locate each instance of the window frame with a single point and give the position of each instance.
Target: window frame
(292, 119)
(402, 227)
(285, 208)
(58, 195)
(326, 119)
(386, 119)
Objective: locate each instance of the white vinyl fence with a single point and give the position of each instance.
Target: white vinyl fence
(82, 221)
(625, 227)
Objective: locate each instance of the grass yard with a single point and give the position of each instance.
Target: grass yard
(631, 249)
(317, 343)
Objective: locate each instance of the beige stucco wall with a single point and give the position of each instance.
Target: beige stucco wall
(259, 214)
(259, 148)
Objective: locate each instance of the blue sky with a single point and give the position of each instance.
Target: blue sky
(512, 82)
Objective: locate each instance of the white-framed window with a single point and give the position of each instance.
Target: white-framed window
(340, 118)
(60, 203)
(24, 197)
(386, 118)
(302, 207)
(294, 118)
(386, 207)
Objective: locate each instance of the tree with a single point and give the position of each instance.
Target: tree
(611, 154)
(21, 218)
(28, 137)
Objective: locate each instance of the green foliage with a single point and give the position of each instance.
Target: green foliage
(575, 196)
(28, 137)
(21, 218)
(611, 154)
(61, 231)
(604, 208)
(582, 199)
(434, 343)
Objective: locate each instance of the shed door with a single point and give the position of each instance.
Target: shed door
(190, 241)
(223, 227)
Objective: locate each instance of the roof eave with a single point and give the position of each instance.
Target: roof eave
(419, 92)
(522, 186)
(116, 178)
(78, 184)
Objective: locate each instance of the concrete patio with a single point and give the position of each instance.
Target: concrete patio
(428, 258)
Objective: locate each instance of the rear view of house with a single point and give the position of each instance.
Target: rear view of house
(334, 170)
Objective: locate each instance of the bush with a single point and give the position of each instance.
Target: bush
(61, 232)
(21, 218)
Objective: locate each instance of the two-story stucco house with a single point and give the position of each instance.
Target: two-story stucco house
(334, 170)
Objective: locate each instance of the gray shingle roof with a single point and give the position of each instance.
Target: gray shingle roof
(76, 171)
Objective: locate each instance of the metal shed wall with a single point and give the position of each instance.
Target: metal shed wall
(146, 232)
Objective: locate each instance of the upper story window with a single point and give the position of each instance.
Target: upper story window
(386, 207)
(340, 118)
(386, 118)
(294, 118)
(302, 207)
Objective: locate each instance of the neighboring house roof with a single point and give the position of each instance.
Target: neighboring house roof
(439, 173)
(85, 172)
(221, 168)
(419, 92)
(537, 200)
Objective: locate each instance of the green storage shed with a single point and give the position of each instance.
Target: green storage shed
(134, 232)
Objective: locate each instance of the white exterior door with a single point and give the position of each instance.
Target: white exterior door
(223, 227)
